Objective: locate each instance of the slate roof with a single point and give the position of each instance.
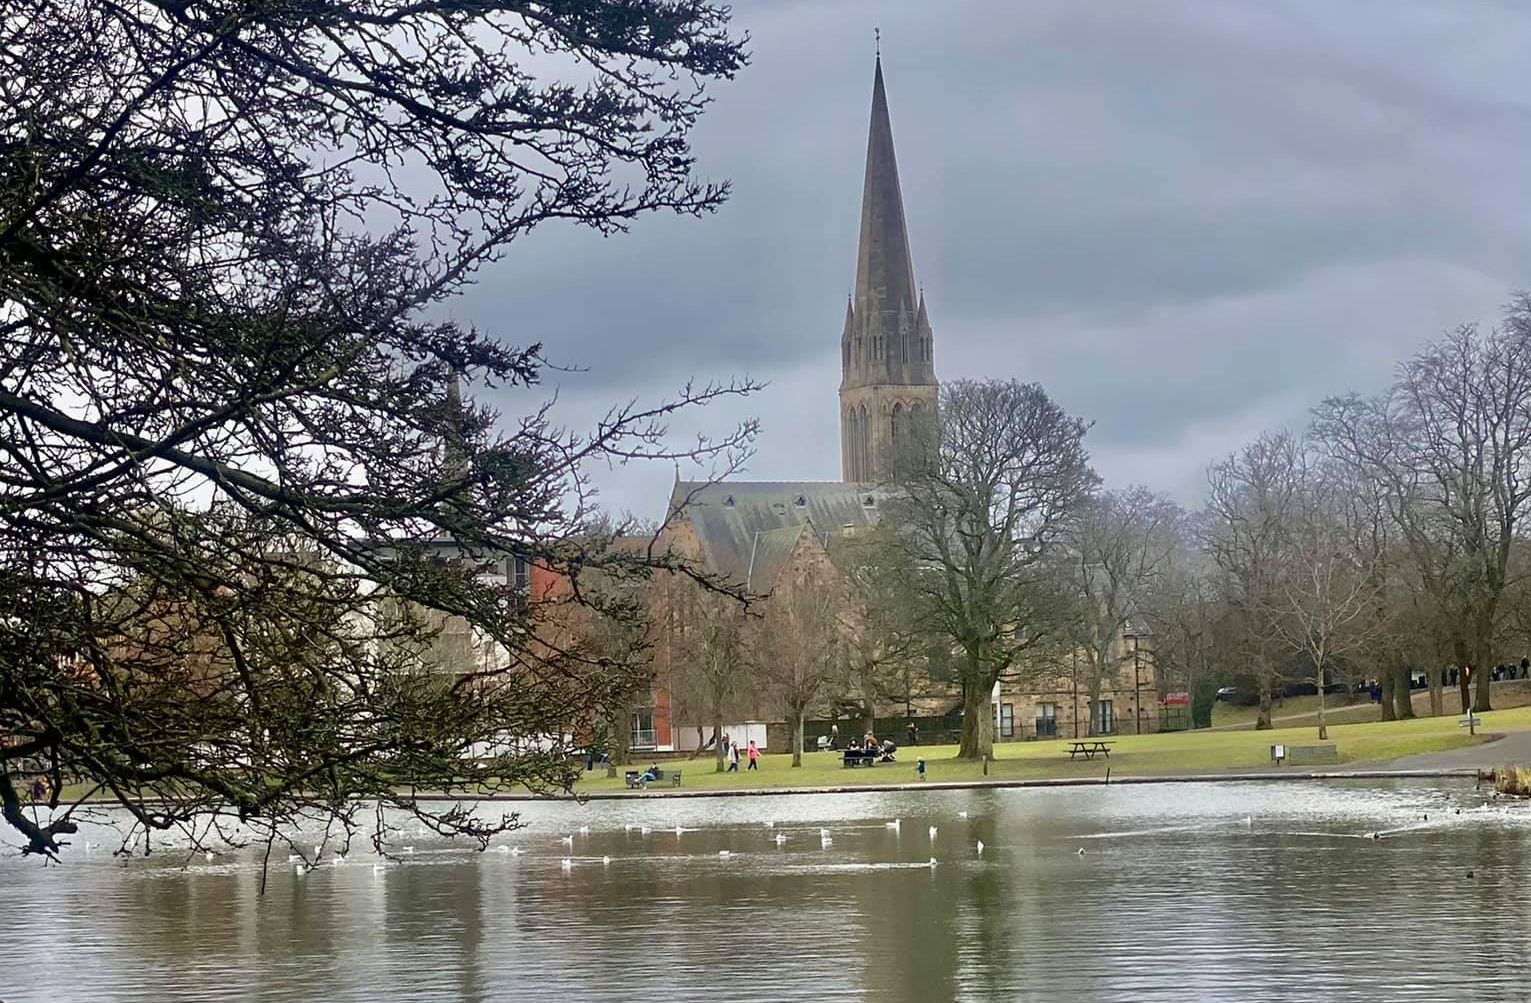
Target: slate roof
(740, 524)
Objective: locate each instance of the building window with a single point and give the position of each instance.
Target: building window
(1105, 718)
(521, 574)
(1047, 720)
(643, 729)
(1007, 720)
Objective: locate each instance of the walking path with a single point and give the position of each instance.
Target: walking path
(1510, 747)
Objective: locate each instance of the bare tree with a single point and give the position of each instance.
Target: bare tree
(708, 682)
(1325, 596)
(796, 645)
(1450, 440)
(223, 390)
(1118, 547)
(984, 497)
(1250, 509)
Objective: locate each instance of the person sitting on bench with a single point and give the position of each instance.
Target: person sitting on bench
(651, 774)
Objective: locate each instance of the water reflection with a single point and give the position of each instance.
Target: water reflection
(1184, 892)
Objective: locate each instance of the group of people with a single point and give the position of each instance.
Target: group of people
(731, 753)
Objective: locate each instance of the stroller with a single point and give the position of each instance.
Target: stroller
(887, 749)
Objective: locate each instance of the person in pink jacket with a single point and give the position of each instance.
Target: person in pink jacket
(754, 755)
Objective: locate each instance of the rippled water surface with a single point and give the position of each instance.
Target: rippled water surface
(1256, 890)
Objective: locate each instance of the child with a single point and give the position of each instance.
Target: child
(754, 755)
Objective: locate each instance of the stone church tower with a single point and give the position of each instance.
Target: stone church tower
(886, 353)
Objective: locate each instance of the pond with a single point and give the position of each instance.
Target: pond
(1270, 890)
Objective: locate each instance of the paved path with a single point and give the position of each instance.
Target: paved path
(1510, 747)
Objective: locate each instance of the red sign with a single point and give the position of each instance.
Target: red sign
(1177, 699)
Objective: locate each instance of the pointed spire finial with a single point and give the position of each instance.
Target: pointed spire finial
(877, 41)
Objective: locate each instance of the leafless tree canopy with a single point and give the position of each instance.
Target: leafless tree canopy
(223, 398)
(985, 493)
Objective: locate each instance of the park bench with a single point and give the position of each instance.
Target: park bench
(859, 757)
(1088, 749)
(1304, 755)
(635, 778)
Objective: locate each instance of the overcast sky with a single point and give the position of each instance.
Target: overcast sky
(1189, 220)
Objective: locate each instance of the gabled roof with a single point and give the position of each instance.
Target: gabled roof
(736, 521)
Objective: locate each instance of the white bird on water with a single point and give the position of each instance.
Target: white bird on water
(932, 832)
(300, 870)
(568, 839)
(980, 847)
(826, 841)
(209, 855)
(645, 830)
(932, 861)
(584, 830)
(780, 839)
(628, 827)
(678, 831)
(823, 832)
(1081, 851)
(605, 861)
(962, 814)
(293, 858)
(723, 853)
(771, 823)
(566, 863)
(895, 824)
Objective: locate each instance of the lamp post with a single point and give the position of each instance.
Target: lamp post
(1137, 699)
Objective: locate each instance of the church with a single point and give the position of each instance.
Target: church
(772, 536)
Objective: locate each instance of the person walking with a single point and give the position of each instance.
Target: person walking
(733, 758)
(754, 755)
(834, 735)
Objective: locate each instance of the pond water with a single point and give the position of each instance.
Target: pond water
(1272, 891)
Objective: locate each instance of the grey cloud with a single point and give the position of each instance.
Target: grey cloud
(1183, 218)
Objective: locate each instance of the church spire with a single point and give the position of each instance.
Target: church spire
(884, 265)
(887, 345)
(888, 369)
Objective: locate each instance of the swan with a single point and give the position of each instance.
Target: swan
(932, 832)
(980, 847)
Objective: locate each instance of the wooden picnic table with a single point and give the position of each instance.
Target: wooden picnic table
(1088, 747)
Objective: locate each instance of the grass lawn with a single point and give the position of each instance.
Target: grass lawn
(1131, 755)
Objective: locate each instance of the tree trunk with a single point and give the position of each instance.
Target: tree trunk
(717, 733)
(1437, 697)
(1484, 654)
(797, 737)
(1389, 680)
(1094, 704)
(1464, 685)
(1323, 724)
(1403, 696)
(977, 742)
(869, 719)
(1263, 719)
